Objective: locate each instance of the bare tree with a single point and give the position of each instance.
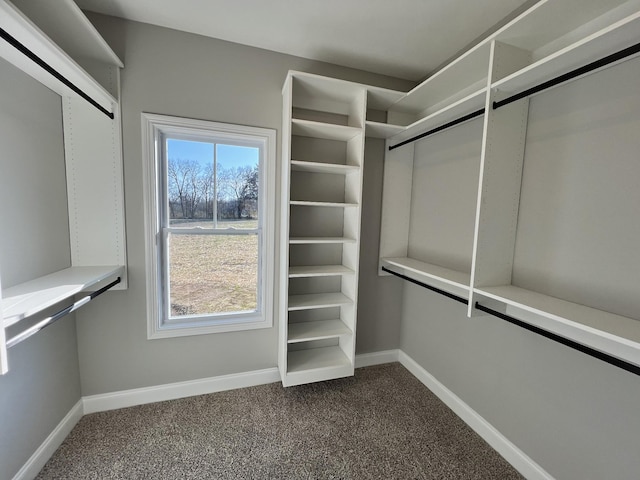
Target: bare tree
(239, 184)
(183, 182)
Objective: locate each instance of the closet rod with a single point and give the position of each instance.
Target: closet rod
(22, 336)
(629, 367)
(609, 59)
(48, 68)
(452, 123)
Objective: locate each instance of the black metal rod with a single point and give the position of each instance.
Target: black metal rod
(22, 336)
(629, 367)
(452, 123)
(428, 287)
(36, 59)
(603, 62)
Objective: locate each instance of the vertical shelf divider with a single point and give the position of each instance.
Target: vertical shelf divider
(500, 177)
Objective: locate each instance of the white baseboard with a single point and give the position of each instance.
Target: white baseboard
(511, 453)
(377, 358)
(35, 463)
(172, 391)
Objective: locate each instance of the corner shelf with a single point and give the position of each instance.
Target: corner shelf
(29, 298)
(318, 300)
(327, 131)
(317, 330)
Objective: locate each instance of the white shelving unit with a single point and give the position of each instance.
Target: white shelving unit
(85, 72)
(323, 149)
(491, 265)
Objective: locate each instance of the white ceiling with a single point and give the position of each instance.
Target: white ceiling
(402, 38)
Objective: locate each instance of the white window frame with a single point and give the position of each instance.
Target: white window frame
(156, 127)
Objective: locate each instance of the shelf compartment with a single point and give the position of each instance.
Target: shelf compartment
(318, 300)
(317, 330)
(319, 271)
(304, 203)
(446, 279)
(299, 361)
(29, 298)
(319, 167)
(612, 334)
(319, 240)
(327, 131)
(609, 40)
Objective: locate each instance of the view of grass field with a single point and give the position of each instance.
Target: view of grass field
(213, 273)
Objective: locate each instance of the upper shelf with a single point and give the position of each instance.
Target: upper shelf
(29, 298)
(17, 25)
(328, 131)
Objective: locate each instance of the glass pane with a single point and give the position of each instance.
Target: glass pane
(212, 185)
(213, 274)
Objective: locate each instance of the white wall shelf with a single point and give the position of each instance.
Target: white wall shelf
(436, 276)
(319, 167)
(382, 130)
(303, 361)
(318, 300)
(319, 271)
(305, 203)
(74, 61)
(320, 240)
(547, 41)
(327, 131)
(318, 330)
(29, 298)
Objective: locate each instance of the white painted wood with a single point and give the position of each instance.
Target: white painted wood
(70, 29)
(319, 271)
(610, 39)
(396, 202)
(95, 188)
(329, 131)
(303, 203)
(318, 167)
(498, 441)
(26, 32)
(318, 330)
(503, 146)
(318, 300)
(319, 240)
(382, 130)
(317, 358)
(46, 450)
(445, 279)
(29, 298)
(613, 334)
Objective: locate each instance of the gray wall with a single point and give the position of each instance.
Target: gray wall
(175, 73)
(574, 415)
(43, 382)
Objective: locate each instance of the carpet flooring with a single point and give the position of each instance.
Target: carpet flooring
(381, 424)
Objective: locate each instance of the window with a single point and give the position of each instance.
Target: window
(209, 205)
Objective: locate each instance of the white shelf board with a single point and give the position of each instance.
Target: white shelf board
(446, 279)
(382, 130)
(310, 86)
(317, 330)
(14, 22)
(468, 69)
(328, 131)
(613, 334)
(320, 167)
(319, 240)
(70, 29)
(318, 300)
(31, 297)
(305, 203)
(319, 271)
(611, 39)
(382, 98)
(316, 358)
(449, 112)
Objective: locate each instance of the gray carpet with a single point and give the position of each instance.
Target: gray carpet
(381, 424)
